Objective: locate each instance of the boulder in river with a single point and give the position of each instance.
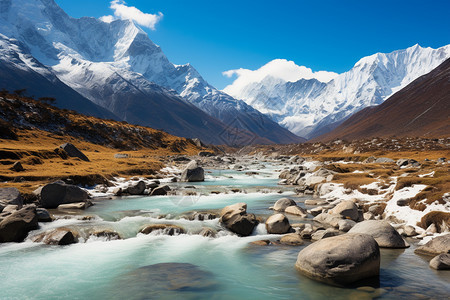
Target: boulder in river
(292, 239)
(73, 151)
(385, 235)
(437, 245)
(207, 232)
(296, 210)
(15, 227)
(283, 203)
(137, 188)
(43, 215)
(165, 281)
(347, 209)
(193, 173)
(54, 194)
(160, 191)
(167, 229)
(10, 196)
(278, 224)
(441, 262)
(59, 236)
(341, 260)
(107, 234)
(76, 205)
(236, 219)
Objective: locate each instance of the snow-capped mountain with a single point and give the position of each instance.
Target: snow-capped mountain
(113, 63)
(17, 66)
(310, 107)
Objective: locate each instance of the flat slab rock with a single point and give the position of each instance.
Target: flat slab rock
(438, 245)
(166, 281)
(340, 260)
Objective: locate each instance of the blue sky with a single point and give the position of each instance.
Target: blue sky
(216, 36)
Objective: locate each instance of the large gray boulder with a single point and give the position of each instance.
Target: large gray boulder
(15, 227)
(278, 224)
(441, 262)
(438, 245)
(283, 203)
(193, 173)
(73, 151)
(341, 260)
(54, 194)
(347, 210)
(385, 235)
(10, 196)
(236, 219)
(328, 219)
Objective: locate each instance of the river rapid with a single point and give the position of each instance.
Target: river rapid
(190, 266)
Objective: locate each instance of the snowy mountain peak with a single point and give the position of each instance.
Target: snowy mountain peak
(311, 108)
(110, 62)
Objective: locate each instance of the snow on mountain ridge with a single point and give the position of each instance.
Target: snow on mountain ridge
(310, 109)
(98, 58)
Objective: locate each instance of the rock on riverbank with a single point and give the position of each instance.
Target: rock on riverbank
(341, 260)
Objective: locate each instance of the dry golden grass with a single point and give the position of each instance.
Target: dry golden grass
(437, 186)
(329, 155)
(353, 180)
(439, 218)
(35, 150)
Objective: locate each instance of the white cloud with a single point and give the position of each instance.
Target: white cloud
(279, 68)
(124, 12)
(107, 19)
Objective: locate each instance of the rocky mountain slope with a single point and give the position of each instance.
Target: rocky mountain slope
(420, 109)
(118, 67)
(310, 107)
(20, 70)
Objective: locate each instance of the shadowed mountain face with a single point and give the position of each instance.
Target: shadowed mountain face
(420, 109)
(116, 66)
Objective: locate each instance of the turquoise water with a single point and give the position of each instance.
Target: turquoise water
(99, 269)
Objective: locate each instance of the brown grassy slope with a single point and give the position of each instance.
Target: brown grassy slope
(359, 150)
(420, 109)
(30, 132)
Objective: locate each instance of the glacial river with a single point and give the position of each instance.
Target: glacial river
(225, 267)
